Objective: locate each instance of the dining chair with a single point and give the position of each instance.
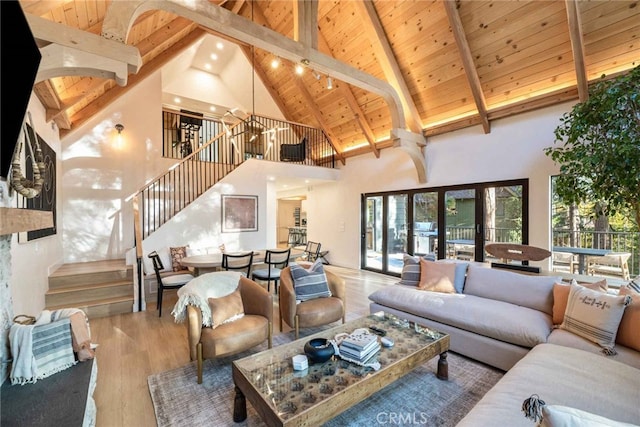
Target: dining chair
(312, 251)
(238, 262)
(168, 282)
(276, 260)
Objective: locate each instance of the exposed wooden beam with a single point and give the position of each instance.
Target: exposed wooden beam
(70, 51)
(384, 53)
(49, 98)
(313, 108)
(237, 6)
(305, 22)
(467, 62)
(577, 46)
(121, 16)
(149, 68)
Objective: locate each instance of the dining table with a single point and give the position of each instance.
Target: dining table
(206, 263)
(582, 253)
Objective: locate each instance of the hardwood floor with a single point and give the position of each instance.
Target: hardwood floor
(133, 346)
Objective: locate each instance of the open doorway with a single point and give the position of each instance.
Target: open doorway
(292, 222)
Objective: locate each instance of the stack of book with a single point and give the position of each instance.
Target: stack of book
(359, 347)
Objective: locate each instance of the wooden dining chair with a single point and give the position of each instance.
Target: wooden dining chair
(276, 260)
(168, 282)
(238, 262)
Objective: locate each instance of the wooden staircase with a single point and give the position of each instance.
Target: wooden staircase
(100, 288)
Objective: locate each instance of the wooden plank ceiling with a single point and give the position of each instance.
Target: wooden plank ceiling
(460, 64)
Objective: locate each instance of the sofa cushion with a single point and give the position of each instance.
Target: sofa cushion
(410, 274)
(564, 416)
(310, 283)
(560, 376)
(461, 272)
(629, 329)
(437, 277)
(561, 296)
(534, 292)
(226, 309)
(177, 253)
(490, 318)
(625, 355)
(594, 315)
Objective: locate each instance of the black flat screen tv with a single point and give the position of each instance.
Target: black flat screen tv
(19, 61)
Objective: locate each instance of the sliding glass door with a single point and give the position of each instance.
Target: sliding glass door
(447, 222)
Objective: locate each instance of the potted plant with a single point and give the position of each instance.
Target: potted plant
(599, 148)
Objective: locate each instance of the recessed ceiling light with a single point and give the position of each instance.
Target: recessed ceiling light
(176, 99)
(275, 63)
(219, 45)
(207, 66)
(299, 69)
(212, 108)
(214, 56)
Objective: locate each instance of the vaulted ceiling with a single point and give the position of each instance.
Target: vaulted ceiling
(450, 64)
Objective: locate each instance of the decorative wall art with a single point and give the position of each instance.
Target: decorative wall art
(46, 200)
(239, 213)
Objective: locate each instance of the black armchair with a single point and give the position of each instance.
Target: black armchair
(294, 152)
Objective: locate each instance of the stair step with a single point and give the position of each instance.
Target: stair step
(103, 308)
(74, 295)
(87, 273)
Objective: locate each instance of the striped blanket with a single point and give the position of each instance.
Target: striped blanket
(40, 351)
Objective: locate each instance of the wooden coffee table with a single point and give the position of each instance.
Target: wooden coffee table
(284, 397)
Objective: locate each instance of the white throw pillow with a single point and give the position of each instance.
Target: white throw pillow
(594, 315)
(564, 416)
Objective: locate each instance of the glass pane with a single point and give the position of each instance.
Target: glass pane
(460, 224)
(425, 223)
(374, 232)
(397, 221)
(503, 216)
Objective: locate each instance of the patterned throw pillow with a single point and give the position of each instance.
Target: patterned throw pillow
(561, 296)
(628, 332)
(177, 254)
(437, 276)
(410, 274)
(595, 315)
(226, 309)
(310, 283)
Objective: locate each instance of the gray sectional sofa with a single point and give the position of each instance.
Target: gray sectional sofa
(504, 319)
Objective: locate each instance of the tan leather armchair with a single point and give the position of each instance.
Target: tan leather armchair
(253, 328)
(315, 312)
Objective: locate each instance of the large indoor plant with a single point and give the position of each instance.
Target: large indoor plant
(598, 147)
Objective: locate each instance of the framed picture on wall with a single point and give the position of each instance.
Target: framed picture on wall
(239, 213)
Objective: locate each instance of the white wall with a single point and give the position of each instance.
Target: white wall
(513, 150)
(98, 176)
(31, 262)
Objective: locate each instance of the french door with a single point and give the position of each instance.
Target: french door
(445, 222)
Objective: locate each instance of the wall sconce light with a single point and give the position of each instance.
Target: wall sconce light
(119, 128)
(329, 83)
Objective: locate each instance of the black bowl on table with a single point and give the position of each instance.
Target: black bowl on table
(319, 350)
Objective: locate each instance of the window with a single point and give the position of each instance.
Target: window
(446, 222)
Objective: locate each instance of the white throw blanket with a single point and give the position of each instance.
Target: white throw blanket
(23, 368)
(198, 291)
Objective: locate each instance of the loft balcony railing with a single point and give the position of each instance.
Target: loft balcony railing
(256, 137)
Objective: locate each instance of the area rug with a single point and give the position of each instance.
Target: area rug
(418, 398)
